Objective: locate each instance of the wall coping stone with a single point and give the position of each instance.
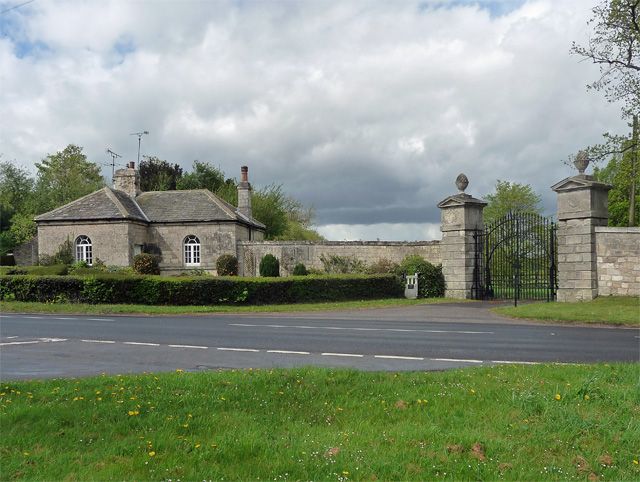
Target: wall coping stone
(618, 230)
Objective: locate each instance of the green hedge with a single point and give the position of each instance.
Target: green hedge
(157, 290)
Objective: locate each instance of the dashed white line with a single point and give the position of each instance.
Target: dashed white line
(98, 341)
(238, 349)
(34, 317)
(101, 319)
(63, 318)
(357, 328)
(139, 343)
(354, 355)
(395, 357)
(460, 360)
(189, 346)
(11, 337)
(19, 343)
(288, 352)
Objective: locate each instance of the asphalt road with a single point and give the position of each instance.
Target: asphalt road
(427, 337)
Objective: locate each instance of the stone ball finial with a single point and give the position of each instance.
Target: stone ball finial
(462, 181)
(581, 162)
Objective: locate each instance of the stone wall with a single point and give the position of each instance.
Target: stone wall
(110, 240)
(289, 253)
(26, 254)
(618, 261)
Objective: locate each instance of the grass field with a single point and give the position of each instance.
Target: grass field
(80, 308)
(507, 422)
(612, 310)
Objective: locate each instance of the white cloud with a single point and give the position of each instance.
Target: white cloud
(381, 231)
(366, 110)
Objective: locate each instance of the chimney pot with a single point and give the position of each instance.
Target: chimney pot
(132, 165)
(244, 174)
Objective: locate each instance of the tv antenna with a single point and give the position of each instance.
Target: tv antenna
(114, 156)
(139, 134)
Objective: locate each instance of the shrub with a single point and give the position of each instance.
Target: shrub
(300, 270)
(145, 263)
(382, 266)
(157, 290)
(227, 265)
(334, 264)
(64, 255)
(51, 270)
(430, 277)
(269, 266)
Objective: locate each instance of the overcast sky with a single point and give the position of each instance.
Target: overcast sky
(366, 111)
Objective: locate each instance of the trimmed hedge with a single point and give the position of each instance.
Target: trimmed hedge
(269, 266)
(157, 290)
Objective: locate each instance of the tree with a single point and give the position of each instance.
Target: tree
(615, 48)
(203, 176)
(16, 188)
(618, 172)
(158, 175)
(64, 177)
(510, 197)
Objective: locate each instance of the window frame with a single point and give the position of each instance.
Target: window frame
(191, 250)
(84, 249)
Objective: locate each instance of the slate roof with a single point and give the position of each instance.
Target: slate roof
(154, 206)
(105, 203)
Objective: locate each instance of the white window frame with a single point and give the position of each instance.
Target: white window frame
(191, 250)
(84, 249)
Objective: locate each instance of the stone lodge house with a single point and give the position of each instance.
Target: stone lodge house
(189, 229)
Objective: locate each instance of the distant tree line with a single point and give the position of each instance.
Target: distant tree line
(67, 175)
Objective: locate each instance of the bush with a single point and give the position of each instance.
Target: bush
(335, 264)
(64, 255)
(430, 277)
(157, 290)
(51, 270)
(269, 266)
(227, 265)
(145, 263)
(382, 266)
(300, 270)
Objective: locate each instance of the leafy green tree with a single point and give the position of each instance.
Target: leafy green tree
(269, 206)
(614, 45)
(64, 177)
(510, 197)
(619, 173)
(16, 193)
(159, 175)
(203, 176)
(23, 227)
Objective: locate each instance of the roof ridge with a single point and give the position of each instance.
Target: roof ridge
(114, 199)
(71, 202)
(217, 201)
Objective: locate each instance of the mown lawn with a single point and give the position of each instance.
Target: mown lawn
(508, 422)
(611, 310)
(81, 308)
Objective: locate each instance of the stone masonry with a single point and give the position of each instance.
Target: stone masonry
(582, 208)
(618, 261)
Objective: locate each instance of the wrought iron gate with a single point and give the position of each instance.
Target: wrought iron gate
(515, 258)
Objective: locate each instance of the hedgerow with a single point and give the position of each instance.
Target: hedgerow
(157, 290)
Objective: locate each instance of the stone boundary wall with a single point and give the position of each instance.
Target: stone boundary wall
(290, 253)
(618, 261)
(26, 254)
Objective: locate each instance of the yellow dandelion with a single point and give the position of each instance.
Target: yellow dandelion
(197, 446)
(99, 399)
(179, 370)
(26, 454)
(473, 391)
(344, 472)
(557, 397)
(133, 413)
(152, 454)
(587, 397)
(635, 462)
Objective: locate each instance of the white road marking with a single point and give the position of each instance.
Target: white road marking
(287, 352)
(51, 340)
(461, 360)
(189, 346)
(101, 319)
(139, 343)
(354, 328)
(34, 317)
(98, 341)
(19, 343)
(394, 357)
(238, 349)
(10, 337)
(516, 362)
(342, 354)
(63, 318)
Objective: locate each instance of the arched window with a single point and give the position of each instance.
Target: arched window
(191, 250)
(84, 250)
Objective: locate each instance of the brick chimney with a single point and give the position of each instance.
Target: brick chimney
(244, 192)
(127, 180)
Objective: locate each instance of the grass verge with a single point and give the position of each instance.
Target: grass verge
(506, 422)
(613, 310)
(81, 308)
